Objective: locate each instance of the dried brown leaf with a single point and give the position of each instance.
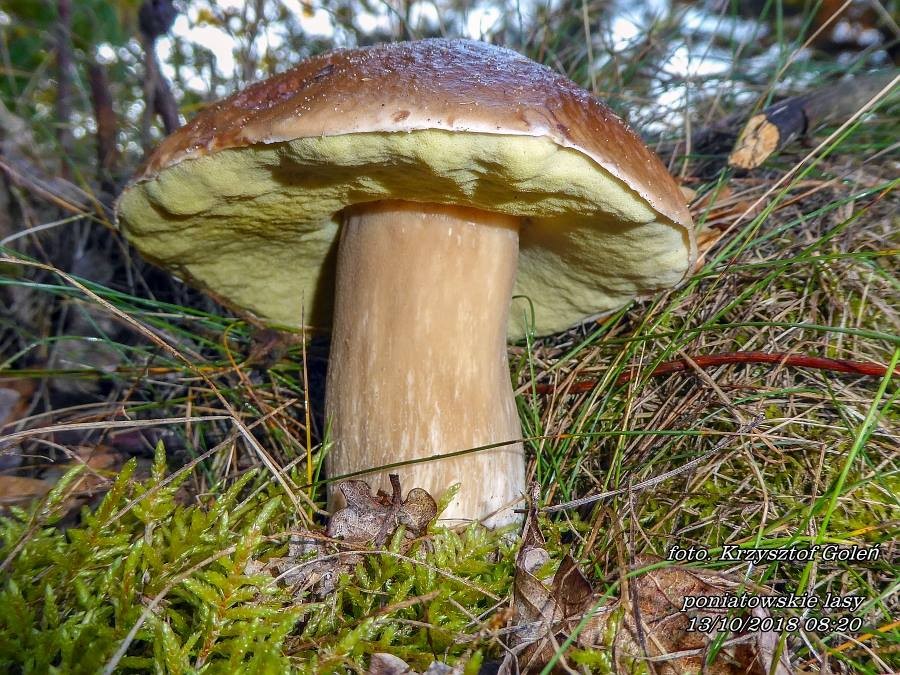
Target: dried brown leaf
(571, 590)
(18, 489)
(660, 594)
(373, 519)
(653, 626)
(312, 566)
(308, 567)
(388, 664)
(545, 613)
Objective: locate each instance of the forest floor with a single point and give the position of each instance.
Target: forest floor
(161, 459)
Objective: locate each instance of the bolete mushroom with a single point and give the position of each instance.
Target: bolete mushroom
(401, 195)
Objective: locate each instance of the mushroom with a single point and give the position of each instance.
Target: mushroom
(401, 195)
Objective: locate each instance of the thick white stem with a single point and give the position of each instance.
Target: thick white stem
(418, 361)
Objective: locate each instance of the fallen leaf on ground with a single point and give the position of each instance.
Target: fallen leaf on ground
(15, 399)
(18, 489)
(314, 566)
(658, 627)
(388, 664)
(100, 462)
(367, 519)
(646, 625)
(308, 567)
(545, 613)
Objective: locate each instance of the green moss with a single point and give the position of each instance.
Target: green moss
(69, 598)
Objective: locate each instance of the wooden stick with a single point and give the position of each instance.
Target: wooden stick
(155, 18)
(713, 360)
(65, 67)
(105, 118)
(781, 123)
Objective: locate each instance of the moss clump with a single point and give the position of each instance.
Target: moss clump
(69, 598)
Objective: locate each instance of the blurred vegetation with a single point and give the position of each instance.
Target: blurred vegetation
(210, 48)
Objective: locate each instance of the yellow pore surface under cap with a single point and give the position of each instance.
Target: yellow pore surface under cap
(257, 226)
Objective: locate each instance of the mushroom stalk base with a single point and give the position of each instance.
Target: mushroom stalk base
(418, 363)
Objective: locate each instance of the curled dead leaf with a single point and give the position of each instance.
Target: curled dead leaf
(313, 566)
(308, 567)
(654, 627)
(388, 664)
(545, 613)
(646, 626)
(19, 489)
(373, 519)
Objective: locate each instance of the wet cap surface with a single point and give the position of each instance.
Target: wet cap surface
(244, 201)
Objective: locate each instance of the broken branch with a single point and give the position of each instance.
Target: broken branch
(712, 360)
(781, 123)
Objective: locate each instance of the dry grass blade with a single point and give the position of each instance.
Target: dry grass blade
(656, 480)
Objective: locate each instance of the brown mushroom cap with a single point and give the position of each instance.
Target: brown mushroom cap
(245, 199)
